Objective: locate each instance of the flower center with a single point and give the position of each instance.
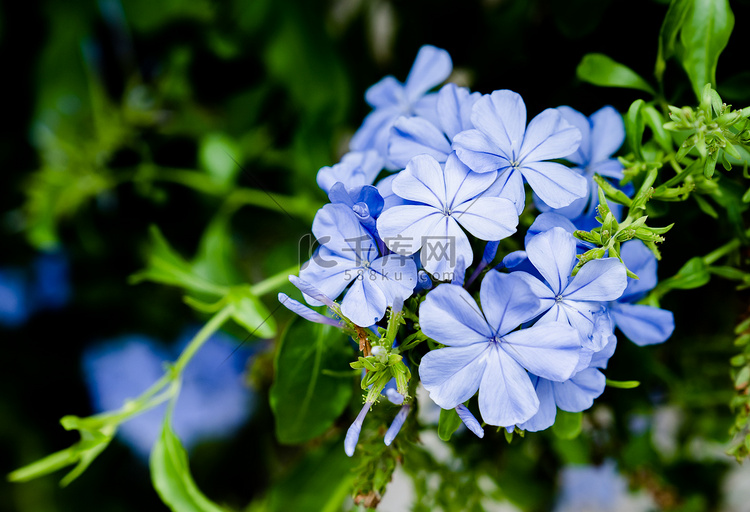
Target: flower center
(446, 211)
(496, 339)
(558, 299)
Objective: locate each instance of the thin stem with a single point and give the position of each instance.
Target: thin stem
(196, 343)
(271, 283)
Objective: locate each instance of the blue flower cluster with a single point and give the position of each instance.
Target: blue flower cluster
(540, 333)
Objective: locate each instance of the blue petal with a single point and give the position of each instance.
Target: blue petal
(390, 199)
(601, 358)
(441, 248)
(582, 155)
(329, 273)
(395, 275)
(431, 67)
(338, 228)
(598, 280)
(506, 394)
(549, 350)
(422, 181)
(579, 392)
(549, 136)
(607, 133)
(609, 168)
(553, 253)
(375, 130)
(642, 262)
(538, 288)
(454, 106)
(365, 302)
(403, 228)
(476, 150)
(459, 274)
(305, 312)
(461, 184)
(352, 435)
(556, 185)
(545, 417)
(501, 116)
(338, 193)
(469, 420)
(452, 375)
(355, 169)
(487, 218)
(509, 184)
(412, 136)
(311, 290)
(507, 301)
(547, 221)
(643, 325)
(395, 427)
(388, 92)
(450, 316)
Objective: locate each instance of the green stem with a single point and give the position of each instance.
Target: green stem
(275, 281)
(200, 338)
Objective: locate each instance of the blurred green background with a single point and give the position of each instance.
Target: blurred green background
(120, 115)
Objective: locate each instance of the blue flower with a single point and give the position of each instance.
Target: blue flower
(446, 200)
(213, 403)
(349, 255)
(573, 300)
(602, 134)
(502, 142)
(642, 324)
(391, 99)
(366, 203)
(15, 303)
(483, 354)
(412, 136)
(594, 489)
(355, 169)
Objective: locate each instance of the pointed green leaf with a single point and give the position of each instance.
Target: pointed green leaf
(448, 423)
(250, 312)
(304, 400)
(567, 424)
(671, 26)
(170, 475)
(705, 32)
(598, 69)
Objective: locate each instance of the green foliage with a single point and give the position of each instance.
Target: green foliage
(170, 474)
(448, 424)
(568, 424)
(599, 69)
(305, 350)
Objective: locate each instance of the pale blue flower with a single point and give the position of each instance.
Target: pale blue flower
(502, 143)
(642, 324)
(412, 136)
(390, 99)
(483, 354)
(214, 401)
(446, 201)
(602, 134)
(349, 255)
(594, 489)
(355, 169)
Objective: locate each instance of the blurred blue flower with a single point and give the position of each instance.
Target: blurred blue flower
(502, 142)
(642, 324)
(483, 354)
(446, 200)
(591, 489)
(22, 295)
(15, 303)
(214, 401)
(391, 99)
(349, 255)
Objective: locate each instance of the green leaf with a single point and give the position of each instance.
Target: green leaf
(167, 266)
(705, 32)
(567, 424)
(655, 122)
(218, 154)
(321, 482)
(623, 384)
(250, 312)
(306, 402)
(670, 27)
(693, 274)
(599, 69)
(448, 424)
(170, 475)
(634, 127)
